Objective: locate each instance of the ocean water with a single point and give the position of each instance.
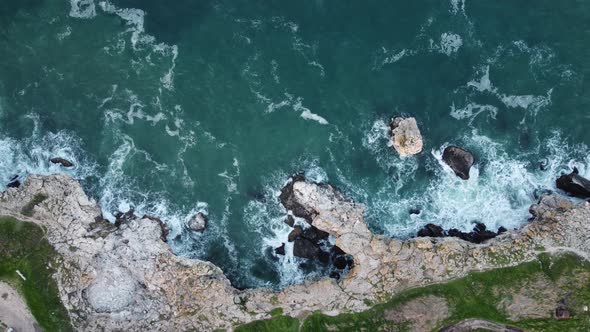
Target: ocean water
(175, 107)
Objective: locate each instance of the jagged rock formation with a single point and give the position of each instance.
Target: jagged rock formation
(125, 276)
(574, 184)
(405, 136)
(459, 160)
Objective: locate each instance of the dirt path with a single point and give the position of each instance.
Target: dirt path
(479, 324)
(14, 312)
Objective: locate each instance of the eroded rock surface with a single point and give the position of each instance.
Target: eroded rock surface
(160, 291)
(405, 136)
(459, 160)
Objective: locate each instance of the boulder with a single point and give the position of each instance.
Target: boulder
(295, 233)
(280, 250)
(123, 218)
(14, 182)
(61, 161)
(289, 201)
(459, 160)
(305, 248)
(405, 136)
(574, 184)
(198, 223)
(431, 230)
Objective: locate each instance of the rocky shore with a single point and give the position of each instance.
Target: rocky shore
(124, 276)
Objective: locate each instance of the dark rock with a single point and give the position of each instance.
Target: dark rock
(459, 160)
(539, 192)
(14, 182)
(305, 248)
(478, 235)
(314, 234)
(287, 198)
(289, 220)
(100, 228)
(415, 211)
(61, 161)
(574, 184)
(502, 230)
(295, 233)
(431, 230)
(198, 222)
(280, 250)
(122, 218)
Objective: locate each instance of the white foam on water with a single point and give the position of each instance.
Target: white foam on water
(530, 103)
(458, 6)
(308, 115)
(472, 110)
(31, 155)
(449, 43)
(84, 9)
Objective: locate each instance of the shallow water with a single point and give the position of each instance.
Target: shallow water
(209, 106)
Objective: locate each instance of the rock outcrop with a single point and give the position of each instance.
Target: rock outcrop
(124, 277)
(61, 161)
(574, 184)
(405, 136)
(198, 223)
(459, 160)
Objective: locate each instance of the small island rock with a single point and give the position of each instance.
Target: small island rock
(405, 136)
(459, 160)
(198, 223)
(61, 161)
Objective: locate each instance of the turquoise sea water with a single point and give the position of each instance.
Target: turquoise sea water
(175, 107)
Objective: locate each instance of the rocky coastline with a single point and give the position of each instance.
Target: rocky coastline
(124, 276)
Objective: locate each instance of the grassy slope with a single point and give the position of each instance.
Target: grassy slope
(24, 248)
(474, 296)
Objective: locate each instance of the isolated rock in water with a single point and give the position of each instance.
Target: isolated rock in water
(198, 223)
(431, 230)
(405, 136)
(62, 161)
(14, 182)
(280, 250)
(459, 160)
(574, 184)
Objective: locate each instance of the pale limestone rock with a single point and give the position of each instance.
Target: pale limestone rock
(161, 291)
(405, 136)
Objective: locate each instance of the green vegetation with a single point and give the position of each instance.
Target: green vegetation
(475, 296)
(24, 248)
(27, 210)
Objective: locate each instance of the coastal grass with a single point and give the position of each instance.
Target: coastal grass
(474, 296)
(24, 248)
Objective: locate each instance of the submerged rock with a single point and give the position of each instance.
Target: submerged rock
(459, 160)
(61, 161)
(280, 250)
(405, 136)
(574, 184)
(198, 223)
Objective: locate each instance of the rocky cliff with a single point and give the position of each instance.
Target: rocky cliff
(125, 276)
